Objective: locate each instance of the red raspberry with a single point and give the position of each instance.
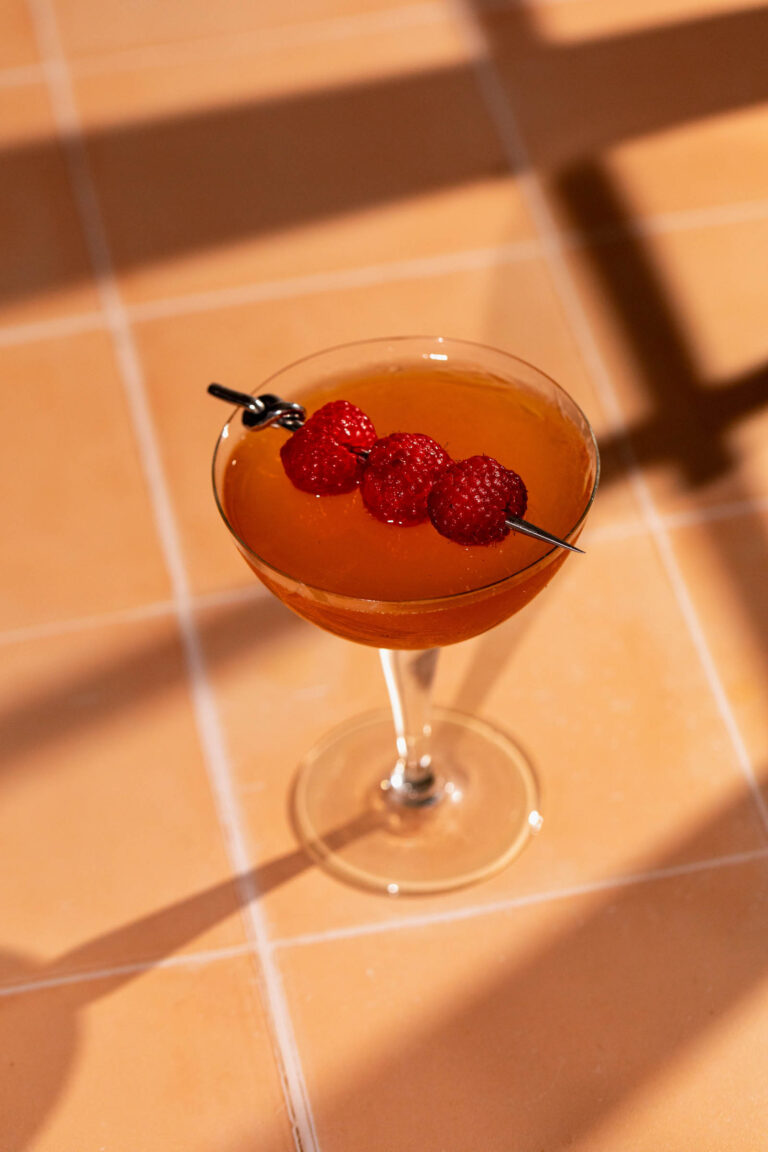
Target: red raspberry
(518, 498)
(345, 423)
(399, 475)
(315, 463)
(472, 499)
(323, 456)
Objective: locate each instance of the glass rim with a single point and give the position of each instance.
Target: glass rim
(362, 603)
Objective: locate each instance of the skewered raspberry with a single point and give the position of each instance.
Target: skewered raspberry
(399, 475)
(345, 423)
(471, 501)
(315, 463)
(323, 457)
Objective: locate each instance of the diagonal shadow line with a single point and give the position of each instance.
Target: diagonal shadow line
(691, 423)
(49, 714)
(174, 185)
(650, 79)
(625, 986)
(42, 1032)
(688, 422)
(542, 1053)
(739, 395)
(171, 929)
(720, 407)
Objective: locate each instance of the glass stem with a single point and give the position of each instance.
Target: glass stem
(409, 677)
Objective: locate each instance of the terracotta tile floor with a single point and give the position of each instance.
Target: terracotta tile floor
(192, 191)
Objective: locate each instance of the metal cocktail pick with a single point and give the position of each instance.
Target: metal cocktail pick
(264, 411)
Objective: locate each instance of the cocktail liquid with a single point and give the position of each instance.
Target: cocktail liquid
(335, 564)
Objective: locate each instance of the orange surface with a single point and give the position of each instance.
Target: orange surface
(192, 193)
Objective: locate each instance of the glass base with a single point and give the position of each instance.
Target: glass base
(355, 826)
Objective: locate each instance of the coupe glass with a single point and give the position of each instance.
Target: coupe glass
(415, 798)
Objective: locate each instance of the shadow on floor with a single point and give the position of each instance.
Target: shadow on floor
(267, 166)
(542, 1052)
(561, 1038)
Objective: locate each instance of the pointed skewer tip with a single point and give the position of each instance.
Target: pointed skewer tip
(517, 524)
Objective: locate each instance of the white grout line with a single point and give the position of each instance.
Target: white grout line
(151, 611)
(500, 111)
(227, 597)
(263, 291)
(259, 42)
(185, 960)
(318, 282)
(404, 923)
(420, 919)
(244, 41)
(22, 76)
(56, 327)
(505, 5)
(692, 517)
(441, 264)
(669, 223)
(211, 735)
(674, 521)
(473, 911)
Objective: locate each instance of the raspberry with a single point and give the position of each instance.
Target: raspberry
(518, 498)
(315, 463)
(472, 499)
(347, 424)
(323, 456)
(399, 475)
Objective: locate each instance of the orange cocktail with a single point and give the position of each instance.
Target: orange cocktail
(331, 561)
(412, 799)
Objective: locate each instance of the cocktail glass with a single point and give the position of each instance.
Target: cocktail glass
(416, 798)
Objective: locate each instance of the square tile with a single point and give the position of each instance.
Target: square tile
(246, 167)
(18, 47)
(79, 519)
(632, 1019)
(45, 270)
(157, 1060)
(677, 321)
(87, 30)
(112, 850)
(636, 772)
(724, 563)
(670, 96)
